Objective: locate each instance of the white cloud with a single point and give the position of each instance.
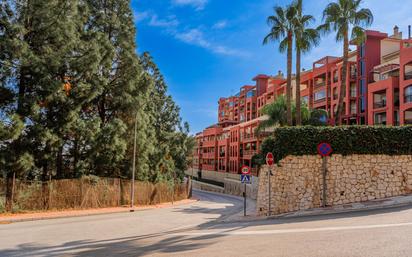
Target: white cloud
(220, 25)
(141, 16)
(197, 4)
(167, 22)
(196, 37)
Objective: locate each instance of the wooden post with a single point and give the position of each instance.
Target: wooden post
(50, 191)
(12, 191)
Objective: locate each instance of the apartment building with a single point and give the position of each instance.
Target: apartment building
(378, 92)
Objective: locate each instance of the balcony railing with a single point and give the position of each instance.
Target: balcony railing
(249, 152)
(379, 104)
(249, 136)
(408, 99)
(319, 84)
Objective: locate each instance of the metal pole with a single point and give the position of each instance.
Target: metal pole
(134, 166)
(324, 171)
(244, 202)
(270, 200)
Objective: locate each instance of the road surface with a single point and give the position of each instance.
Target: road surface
(206, 228)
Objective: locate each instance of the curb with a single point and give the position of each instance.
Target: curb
(318, 214)
(125, 210)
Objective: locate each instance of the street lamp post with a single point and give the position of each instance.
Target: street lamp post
(134, 166)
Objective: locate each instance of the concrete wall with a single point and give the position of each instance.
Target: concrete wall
(232, 184)
(297, 184)
(207, 187)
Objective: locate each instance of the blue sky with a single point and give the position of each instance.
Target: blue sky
(210, 48)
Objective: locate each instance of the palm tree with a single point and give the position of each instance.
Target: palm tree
(341, 17)
(305, 39)
(276, 113)
(282, 29)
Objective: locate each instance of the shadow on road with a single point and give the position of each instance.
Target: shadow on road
(171, 241)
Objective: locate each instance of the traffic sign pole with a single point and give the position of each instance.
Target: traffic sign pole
(324, 150)
(269, 163)
(324, 171)
(244, 202)
(270, 199)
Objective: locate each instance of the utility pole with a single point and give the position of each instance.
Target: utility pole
(134, 166)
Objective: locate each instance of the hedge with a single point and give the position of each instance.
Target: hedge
(344, 140)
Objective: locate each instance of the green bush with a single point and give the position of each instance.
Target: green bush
(344, 140)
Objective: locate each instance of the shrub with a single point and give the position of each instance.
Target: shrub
(344, 140)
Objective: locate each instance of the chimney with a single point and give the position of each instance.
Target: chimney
(409, 32)
(396, 33)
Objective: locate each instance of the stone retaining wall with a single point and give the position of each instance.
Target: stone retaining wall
(297, 184)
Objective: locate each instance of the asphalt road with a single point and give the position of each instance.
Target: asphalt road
(206, 228)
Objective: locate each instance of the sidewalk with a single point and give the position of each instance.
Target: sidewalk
(393, 202)
(20, 217)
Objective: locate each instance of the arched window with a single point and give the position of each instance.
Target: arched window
(408, 71)
(408, 94)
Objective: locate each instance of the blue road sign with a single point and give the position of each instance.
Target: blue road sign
(324, 149)
(245, 179)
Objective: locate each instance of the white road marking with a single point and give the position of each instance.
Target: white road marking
(288, 231)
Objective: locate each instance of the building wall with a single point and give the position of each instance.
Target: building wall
(242, 112)
(405, 81)
(297, 183)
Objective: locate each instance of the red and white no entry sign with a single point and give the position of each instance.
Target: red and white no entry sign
(245, 170)
(269, 159)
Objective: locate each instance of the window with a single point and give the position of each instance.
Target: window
(353, 92)
(408, 117)
(231, 104)
(380, 118)
(353, 107)
(408, 71)
(379, 100)
(408, 94)
(250, 93)
(305, 99)
(320, 95)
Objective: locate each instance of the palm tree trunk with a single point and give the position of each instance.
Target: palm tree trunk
(339, 112)
(289, 81)
(298, 103)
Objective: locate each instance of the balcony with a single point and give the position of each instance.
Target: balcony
(248, 154)
(319, 84)
(379, 104)
(248, 137)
